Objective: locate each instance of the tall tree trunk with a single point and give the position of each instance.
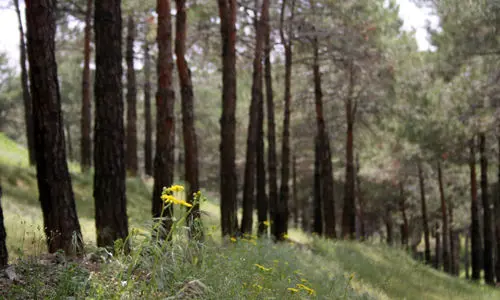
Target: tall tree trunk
(165, 123)
(262, 202)
(454, 260)
(475, 230)
(4, 255)
(228, 183)
(191, 166)
(318, 199)
(425, 221)
(131, 148)
(438, 251)
(467, 255)
(444, 218)
(359, 193)
(148, 140)
(404, 227)
(281, 214)
(349, 211)
(389, 225)
(489, 238)
(271, 126)
(28, 106)
(61, 225)
(327, 193)
(85, 123)
(68, 138)
(295, 198)
(253, 132)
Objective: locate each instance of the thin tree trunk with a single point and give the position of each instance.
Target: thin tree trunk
(262, 202)
(228, 182)
(404, 227)
(359, 193)
(131, 149)
(28, 106)
(437, 259)
(148, 141)
(318, 199)
(4, 255)
(444, 219)
(271, 126)
(489, 237)
(165, 123)
(327, 193)
(295, 198)
(425, 222)
(61, 225)
(389, 225)
(85, 123)
(191, 166)
(454, 260)
(109, 132)
(281, 214)
(475, 234)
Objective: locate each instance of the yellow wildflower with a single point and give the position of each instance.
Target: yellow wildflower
(176, 188)
(285, 236)
(309, 290)
(293, 290)
(266, 223)
(233, 240)
(263, 268)
(171, 199)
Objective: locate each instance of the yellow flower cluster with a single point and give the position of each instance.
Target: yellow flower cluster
(168, 197)
(263, 268)
(309, 290)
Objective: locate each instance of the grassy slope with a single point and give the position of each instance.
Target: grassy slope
(332, 269)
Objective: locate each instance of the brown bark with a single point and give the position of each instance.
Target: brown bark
(148, 140)
(475, 234)
(109, 132)
(61, 225)
(85, 122)
(327, 193)
(361, 204)
(271, 127)
(28, 106)
(318, 199)
(228, 182)
(444, 218)
(131, 148)
(165, 123)
(404, 226)
(191, 166)
(4, 255)
(425, 222)
(281, 213)
(489, 238)
(438, 251)
(349, 211)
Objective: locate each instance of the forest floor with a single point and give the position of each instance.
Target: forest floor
(249, 268)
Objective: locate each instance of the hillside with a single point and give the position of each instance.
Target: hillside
(244, 269)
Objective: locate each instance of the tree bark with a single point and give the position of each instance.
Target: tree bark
(131, 148)
(404, 227)
(454, 243)
(27, 101)
(165, 123)
(438, 251)
(148, 140)
(389, 225)
(61, 225)
(489, 238)
(475, 234)
(85, 122)
(425, 222)
(295, 198)
(4, 255)
(318, 199)
(191, 165)
(228, 182)
(109, 132)
(444, 218)
(327, 192)
(68, 138)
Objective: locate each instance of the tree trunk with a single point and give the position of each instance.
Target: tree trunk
(281, 214)
(475, 234)
(68, 138)
(444, 218)
(262, 202)
(191, 166)
(228, 183)
(28, 105)
(4, 255)
(404, 227)
(131, 148)
(109, 132)
(359, 193)
(85, 123)
(467, 254)
(455, 237)
(489, 237)
(295, 198)
(61, 224)
(165, 123)
(271, 126)
(326, 169)
(389, 225)
(454, 244)
(148, 141)
(349, 211)
(437, 259)
(318, 199)
(425, 221)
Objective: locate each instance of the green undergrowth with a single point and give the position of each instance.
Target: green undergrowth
(308, 268)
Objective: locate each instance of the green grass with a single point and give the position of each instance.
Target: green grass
(333, 269)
